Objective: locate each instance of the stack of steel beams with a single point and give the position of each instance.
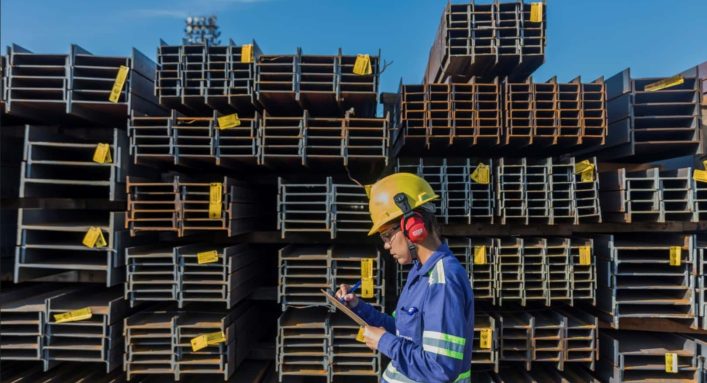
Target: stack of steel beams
(322, 347)
(201, 78)
(462, 199)
(546, 191)
(305, 270)
(647, 277)
(24, 315)
(650, 195)
(303, 345)
(555, 115)
(96, 339)
(183, 206)
(527, 271)
(648, 123)
(53, 87)
(488, 40)
(639, 356)
(190, 273)
(183, 344)
(51, 244)
(326, 207)
(442, 116)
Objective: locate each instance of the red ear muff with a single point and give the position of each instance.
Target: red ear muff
(414, 227)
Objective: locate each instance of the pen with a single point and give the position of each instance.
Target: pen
(353, 289)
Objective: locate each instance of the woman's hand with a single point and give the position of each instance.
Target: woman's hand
(343, 295)
(372, 335)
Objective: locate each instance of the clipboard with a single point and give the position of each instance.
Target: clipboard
(344, 309)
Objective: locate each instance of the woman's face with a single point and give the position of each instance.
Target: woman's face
(394, 241)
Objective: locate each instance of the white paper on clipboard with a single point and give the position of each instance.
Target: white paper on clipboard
(344, 309)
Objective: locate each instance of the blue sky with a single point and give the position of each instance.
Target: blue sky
(587, 38)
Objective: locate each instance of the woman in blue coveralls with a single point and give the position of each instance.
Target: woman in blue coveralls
(430, 334)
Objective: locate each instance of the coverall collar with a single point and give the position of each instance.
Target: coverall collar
(422, 269)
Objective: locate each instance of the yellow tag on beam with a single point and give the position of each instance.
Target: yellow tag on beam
(203, 341)
(479, 255)
(585, 255)
(699, 175)
(362, 66)
(366, 268)
(586, 170)
(228, 121)
(207, 257)
(74, 316)
(94, 238)
(587, 176)
(485, 339)
(481, 175)
(102, 154)
(359, 336)
(583, 166)
(665, 83)
(247, 53)
(118, 84)
(215, 338)
(675, 255)
(367, 290)
(198, 343)
(215, 194)
(536, 12)
(671, 362)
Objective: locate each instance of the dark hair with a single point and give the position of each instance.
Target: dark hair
(430, 220)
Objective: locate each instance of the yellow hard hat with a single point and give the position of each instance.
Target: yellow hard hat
(380, 197)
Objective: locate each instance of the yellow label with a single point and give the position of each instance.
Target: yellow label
(485, 339)
(671, 362)
(675, 255)
(482, 174)
(207, 257)
(118, 84)
(73, 316)
(585, 255)
(228, 121)
(665, 83)
(215, 192)
(102, 154)
(94, 238)
(479, 255)
(247, 53)
(367, 290)
(202, 341)
(536, 12)
(362, 66)
(198, 343)
(587, 176)
(366, 268)
(583, 166)
(215, 338)
(359, 336)
(586, 170)
(699, 175)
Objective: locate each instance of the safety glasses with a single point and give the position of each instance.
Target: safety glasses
(388, 235)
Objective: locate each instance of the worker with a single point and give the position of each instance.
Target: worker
(429, 337)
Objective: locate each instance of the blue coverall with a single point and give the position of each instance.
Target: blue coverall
(433, 324)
